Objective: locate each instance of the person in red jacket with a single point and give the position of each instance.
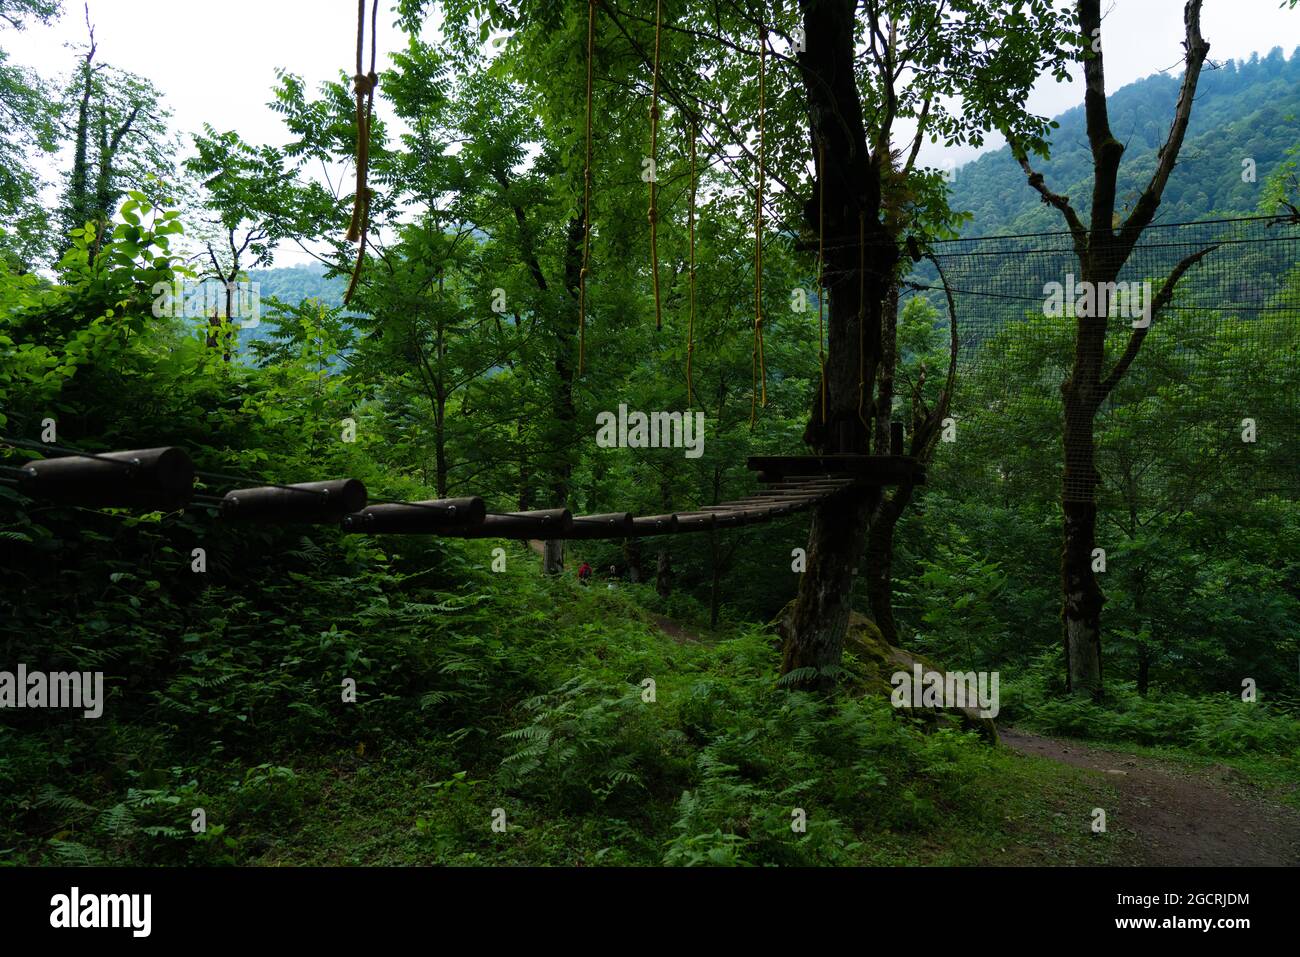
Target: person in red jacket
(584, 573)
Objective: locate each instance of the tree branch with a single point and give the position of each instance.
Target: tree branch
(1161, 300)
(916, 140)
(1197, 49)
(1106, 150)
(1062, 203)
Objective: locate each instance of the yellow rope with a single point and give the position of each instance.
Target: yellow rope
(821, 267)
(654, 137)
(586, 197)
(759, 364)
(690, 326)
(364, 86)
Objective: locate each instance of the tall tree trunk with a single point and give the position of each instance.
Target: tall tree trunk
(850, 193)
(879, 566)
(564, 416)
(879, 563)
(888, 369)
(440, 397)
(664, 573)
(1144, 670)
(715, 552)
(1103, 246)
(525, 469)
(553, 556)
(440, 442)
(1082, 598)
(1081, 607)
(664, 560)
(78, 203)
(632, 556)
(564, 409)
(715, 583)
(1139, 613)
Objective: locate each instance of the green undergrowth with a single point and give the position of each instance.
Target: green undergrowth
(558, 713)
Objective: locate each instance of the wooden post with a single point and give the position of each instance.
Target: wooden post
(417, 518)
(311, 502)
(150, 478)
(895, 438)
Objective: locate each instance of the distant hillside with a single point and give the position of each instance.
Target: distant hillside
(1243, 110)
(292, 284)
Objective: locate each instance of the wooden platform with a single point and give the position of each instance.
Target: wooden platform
(862, 469)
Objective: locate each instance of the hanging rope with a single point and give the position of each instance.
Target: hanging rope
(759, 364)
(364, 86)
(821, 268)
(586, 196)
(690, 324)
(654, 170)
(862, 319)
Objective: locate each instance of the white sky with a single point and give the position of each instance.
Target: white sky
(215, 63)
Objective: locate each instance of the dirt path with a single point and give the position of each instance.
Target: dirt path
(1181, 816)
(674, 629)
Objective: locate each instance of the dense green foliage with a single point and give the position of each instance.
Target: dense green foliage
(481, 689)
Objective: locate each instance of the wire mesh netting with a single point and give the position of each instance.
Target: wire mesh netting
(1193, 402)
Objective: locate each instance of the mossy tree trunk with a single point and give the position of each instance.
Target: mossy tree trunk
(849, 189)
(879, 568)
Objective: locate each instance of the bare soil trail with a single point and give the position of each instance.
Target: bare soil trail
(1182, 816)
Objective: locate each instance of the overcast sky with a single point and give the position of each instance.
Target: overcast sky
(215, 63)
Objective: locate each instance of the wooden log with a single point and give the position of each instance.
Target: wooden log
(794, 504)
(433, 517)
(757, 512)
(544, 524)
(636, 528)
(814, 480)
(812, 483)
(806, 484)
(610, 525)
(868, 469)
(726, 519)
(730, 517)
(141, 478)
(802, 491)
(694, 521)
(611, 522)
(310, 502)
(655, 525)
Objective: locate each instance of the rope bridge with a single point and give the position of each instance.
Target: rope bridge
(163, 479)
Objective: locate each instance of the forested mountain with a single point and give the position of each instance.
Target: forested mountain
(1244, 111)
(293, 284)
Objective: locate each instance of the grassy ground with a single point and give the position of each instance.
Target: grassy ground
(875, 790)
(386, 810)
